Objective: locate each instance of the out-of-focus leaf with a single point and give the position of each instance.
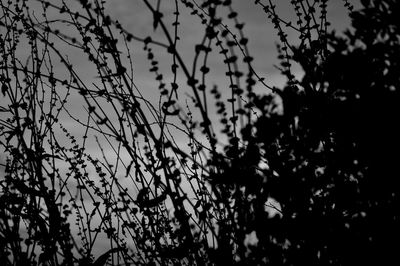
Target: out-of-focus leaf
(154, 202)
(4, 89)
(103, 258)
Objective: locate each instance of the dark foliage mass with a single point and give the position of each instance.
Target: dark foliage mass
(307, 175)
(332, 154)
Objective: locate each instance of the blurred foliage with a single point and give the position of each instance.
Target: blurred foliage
(331, 154)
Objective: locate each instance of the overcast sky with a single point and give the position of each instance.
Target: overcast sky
(136, 18)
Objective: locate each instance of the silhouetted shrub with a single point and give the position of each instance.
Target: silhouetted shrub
(303, 175)
(331, 154)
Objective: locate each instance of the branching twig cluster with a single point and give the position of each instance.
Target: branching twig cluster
(157, 188)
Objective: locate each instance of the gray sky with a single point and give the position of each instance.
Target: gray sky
(258, 28)
(262, 42)
(135, 18)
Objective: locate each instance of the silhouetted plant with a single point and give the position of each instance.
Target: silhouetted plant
(302, 175)
(330, 151)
